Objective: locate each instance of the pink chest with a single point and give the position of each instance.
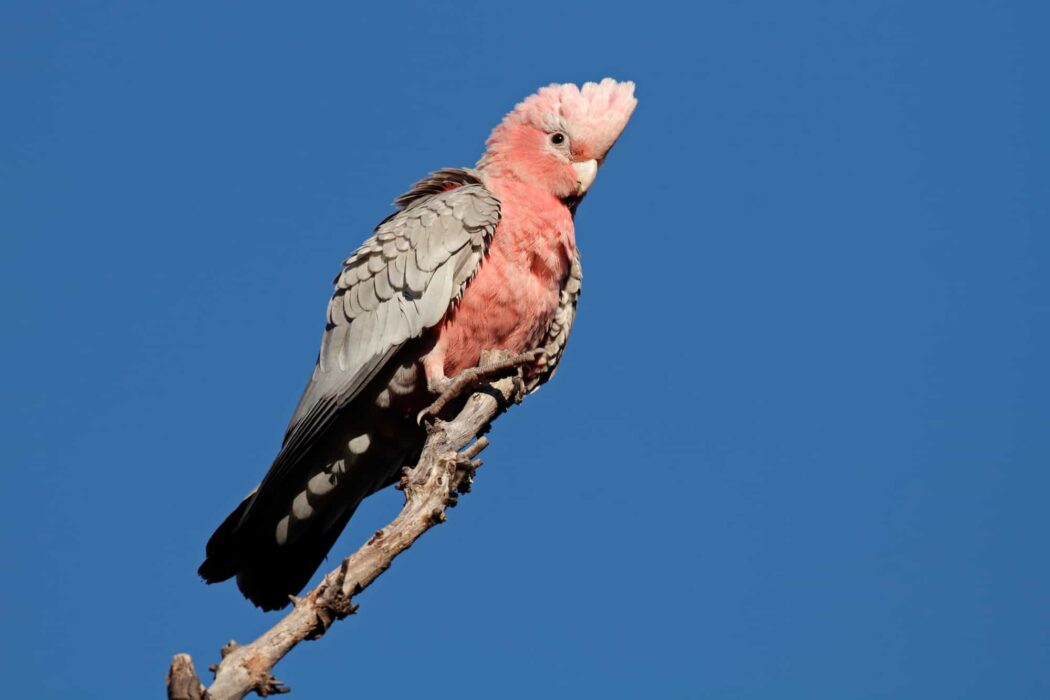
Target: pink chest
(516, 292)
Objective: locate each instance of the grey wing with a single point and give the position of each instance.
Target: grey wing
(557, 336)
(399, 283)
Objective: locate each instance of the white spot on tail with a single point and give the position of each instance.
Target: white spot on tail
(359, 444)
(301, 507)
(405, 379)
(321, 484)
(383, 399)
(282, 531)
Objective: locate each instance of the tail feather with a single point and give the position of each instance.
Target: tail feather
(269, 579)
(220, 560)
(268, 573)
(275, 540)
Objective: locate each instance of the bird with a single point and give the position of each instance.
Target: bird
(473, 259)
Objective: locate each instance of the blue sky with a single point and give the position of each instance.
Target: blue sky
(798, 447)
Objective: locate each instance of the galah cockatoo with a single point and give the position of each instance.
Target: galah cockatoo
(474, 259)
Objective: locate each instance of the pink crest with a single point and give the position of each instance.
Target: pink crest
(593, 115)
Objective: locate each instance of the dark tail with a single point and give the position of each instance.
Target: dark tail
(268, 574)
(276, 539)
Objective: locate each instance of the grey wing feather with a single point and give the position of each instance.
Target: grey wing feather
(387, 295)
(557, 336)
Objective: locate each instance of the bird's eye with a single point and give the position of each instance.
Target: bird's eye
(557, 139)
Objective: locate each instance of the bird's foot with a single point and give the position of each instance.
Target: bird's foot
(449, 389)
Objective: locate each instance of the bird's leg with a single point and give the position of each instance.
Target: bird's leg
(448, 389)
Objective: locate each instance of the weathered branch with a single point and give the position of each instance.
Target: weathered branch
(445, 469)
(183, 683)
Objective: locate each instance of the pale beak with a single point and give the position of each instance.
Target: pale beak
(585, 174)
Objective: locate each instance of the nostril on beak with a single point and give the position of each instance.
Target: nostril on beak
(586, 171)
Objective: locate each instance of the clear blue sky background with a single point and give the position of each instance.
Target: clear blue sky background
(798, 447)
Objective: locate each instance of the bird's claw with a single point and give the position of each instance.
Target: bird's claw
(447, 389)
(426, 414)
(441, 386)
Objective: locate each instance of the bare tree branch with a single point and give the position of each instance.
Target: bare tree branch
(183, 683)
(443, 472)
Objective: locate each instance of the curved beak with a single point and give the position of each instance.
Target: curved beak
(586, 171)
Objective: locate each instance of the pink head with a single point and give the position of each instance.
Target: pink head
(556, 139)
